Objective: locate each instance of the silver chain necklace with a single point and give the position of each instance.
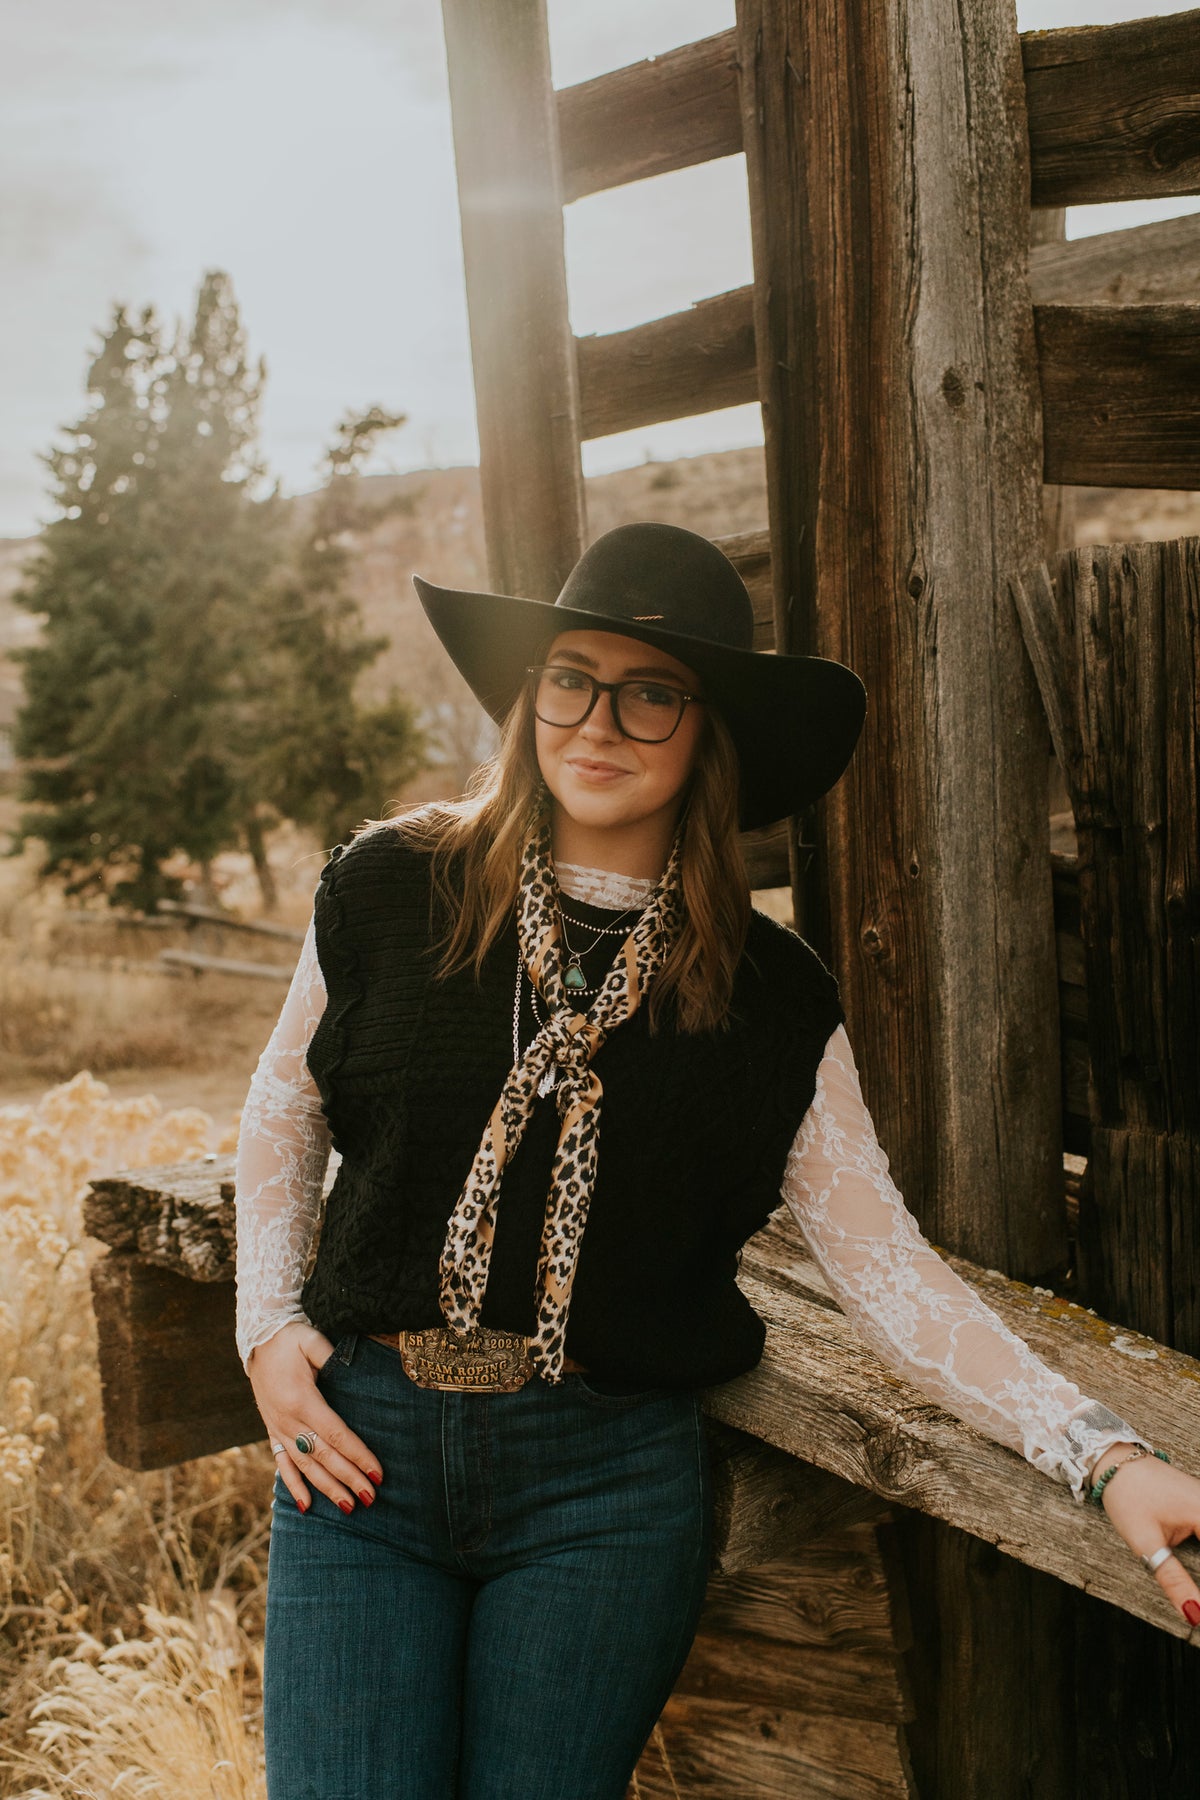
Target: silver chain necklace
(550, 1079)
(573, 978)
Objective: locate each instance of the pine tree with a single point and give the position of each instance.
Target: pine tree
(194, 681)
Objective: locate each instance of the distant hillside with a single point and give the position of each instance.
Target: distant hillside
(442, 537)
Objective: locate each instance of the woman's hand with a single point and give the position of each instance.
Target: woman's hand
(283, 1375)
(1151, 1504)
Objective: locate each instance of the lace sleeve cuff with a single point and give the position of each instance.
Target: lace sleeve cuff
(1092, 1429)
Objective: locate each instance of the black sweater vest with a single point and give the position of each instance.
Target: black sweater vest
(694, 1135)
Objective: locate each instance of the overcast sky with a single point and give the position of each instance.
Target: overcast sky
(304, 146)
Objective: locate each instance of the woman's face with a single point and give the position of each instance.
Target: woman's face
(600, 778)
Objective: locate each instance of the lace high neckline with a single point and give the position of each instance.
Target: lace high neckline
(600, 887)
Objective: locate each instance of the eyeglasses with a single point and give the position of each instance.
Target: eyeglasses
(646, 711)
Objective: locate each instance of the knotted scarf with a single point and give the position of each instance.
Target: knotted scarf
(567, 1042)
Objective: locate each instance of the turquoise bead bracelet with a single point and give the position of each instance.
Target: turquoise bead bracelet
(1096, 1496)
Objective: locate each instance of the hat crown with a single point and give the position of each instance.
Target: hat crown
(666, 578)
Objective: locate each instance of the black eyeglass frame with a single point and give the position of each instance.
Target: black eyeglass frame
(612, 688)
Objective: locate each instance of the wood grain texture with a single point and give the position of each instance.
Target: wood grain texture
(522, 352)
(1113, 113)
(1121, 394)
(1116, 640)
(666, 113)
(180, 1216)
(171, 1382)
(750, 554)
(897, 376)
(1156, 264)
(872, 1428)
(671, 368)
(858, 1682)
(832, 1591)
(1114, 110)
(734, 1750)
(767, 1506)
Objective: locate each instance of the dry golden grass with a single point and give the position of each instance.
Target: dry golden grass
(84, 989)
(130, 1605)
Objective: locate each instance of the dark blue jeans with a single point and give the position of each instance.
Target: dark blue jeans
(508, 1618)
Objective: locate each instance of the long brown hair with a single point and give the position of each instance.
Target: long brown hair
(476, 844)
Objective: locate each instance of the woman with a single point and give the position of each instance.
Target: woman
(569, 1073)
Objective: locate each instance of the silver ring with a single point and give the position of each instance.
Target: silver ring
(277, 1450)
(306, 1442)
(1157, 1558)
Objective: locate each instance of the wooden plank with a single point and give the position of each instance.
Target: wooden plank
(172, 1385)
(750, 554)
(903, 457)
(1114, 110)
(1120, 385)
(857, 1683)
(1119, 650)
(1072, 1006)
(671, 368)
(1156, 264)
(734, 1750)
(1048, 226)
(832, 1591)
(666, 113)
(766, 854)
(867, 1425)
(222, 965)
(767, 1506)
(211, 915)
(1113, 113)
(522, 352)
(1121, 394)
(886, 1438)
(1116, 643)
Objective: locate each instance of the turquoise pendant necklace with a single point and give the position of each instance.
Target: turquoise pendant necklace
(574, 979)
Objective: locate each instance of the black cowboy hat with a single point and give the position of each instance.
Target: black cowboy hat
(794, 719)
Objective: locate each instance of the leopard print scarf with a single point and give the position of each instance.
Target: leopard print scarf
(568, 1041)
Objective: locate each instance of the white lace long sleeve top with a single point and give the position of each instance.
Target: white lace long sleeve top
(909, 1305)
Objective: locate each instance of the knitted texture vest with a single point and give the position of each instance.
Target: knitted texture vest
(694, 1135)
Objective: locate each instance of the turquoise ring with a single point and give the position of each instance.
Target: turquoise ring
(306, 1442)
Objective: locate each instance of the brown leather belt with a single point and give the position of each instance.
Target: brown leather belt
(483, 1361)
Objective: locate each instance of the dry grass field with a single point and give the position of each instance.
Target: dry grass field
(131, 1605)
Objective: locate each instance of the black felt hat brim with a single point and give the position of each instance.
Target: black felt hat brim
(794, 719)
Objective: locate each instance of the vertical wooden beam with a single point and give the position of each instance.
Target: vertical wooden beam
(522, 351)
(889, 181)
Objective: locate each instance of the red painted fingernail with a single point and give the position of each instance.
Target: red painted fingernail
(1191, 1611)
(376, 1475)
(347, 1506)
(304, 1505)
(366, 1496)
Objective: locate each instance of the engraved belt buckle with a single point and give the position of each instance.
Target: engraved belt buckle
(482, 1360)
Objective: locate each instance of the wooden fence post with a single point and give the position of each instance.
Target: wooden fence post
(510, 197)
(888, 170)
(889, 189)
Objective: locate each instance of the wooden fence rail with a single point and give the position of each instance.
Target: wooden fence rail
(1114, 113)
(1120, 385)
(818, 1395)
